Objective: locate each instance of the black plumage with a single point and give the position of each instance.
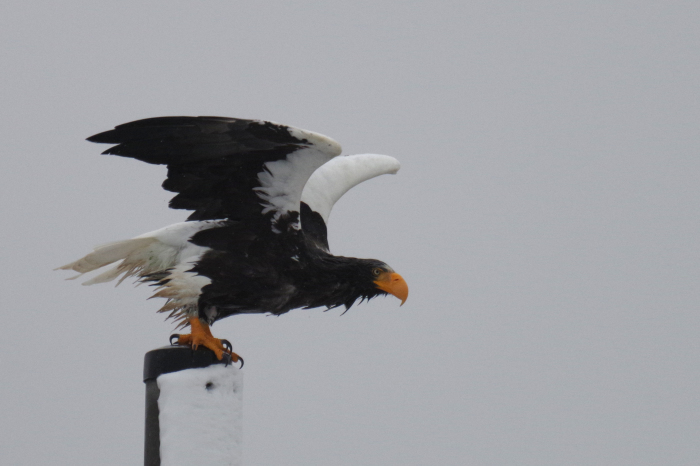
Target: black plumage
(250, 245)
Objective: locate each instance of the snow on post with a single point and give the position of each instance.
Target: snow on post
(193, 409)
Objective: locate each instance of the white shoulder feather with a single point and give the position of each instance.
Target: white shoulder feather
(334, 178)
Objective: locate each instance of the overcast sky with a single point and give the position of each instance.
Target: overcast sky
(545, 218)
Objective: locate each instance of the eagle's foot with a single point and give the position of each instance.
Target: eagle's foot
(201, 336)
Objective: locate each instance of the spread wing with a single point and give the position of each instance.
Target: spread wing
(333, 179)
(249, 171)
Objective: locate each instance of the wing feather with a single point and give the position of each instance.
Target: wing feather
(333, 179)
(226, 168)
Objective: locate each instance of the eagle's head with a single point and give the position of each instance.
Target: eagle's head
(387, 281)
(368, 278)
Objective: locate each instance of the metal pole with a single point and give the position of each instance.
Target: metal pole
(172, 359)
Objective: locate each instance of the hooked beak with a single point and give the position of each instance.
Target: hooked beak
(394, 284)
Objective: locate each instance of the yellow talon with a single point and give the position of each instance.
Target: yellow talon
(201, 336)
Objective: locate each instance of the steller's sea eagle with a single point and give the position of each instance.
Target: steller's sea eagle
(256, 242)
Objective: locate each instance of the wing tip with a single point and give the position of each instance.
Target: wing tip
(384, 164)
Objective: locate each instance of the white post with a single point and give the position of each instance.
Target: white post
(193, 409)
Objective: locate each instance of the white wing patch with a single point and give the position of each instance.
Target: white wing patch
(333, 179)
(282, 181)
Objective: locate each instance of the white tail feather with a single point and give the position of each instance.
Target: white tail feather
(149, 253)
(138, 256)
(107, 254)
(167, 252)
(104, 277)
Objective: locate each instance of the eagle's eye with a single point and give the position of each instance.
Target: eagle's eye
(376, 271)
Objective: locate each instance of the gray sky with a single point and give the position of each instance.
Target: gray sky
(545, 218)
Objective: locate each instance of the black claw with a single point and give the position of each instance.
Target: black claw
(175, 336)
(227, 344)
(228, 359)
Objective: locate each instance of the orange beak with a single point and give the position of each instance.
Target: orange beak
(393, 283)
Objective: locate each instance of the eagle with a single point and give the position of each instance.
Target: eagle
(256, 241)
